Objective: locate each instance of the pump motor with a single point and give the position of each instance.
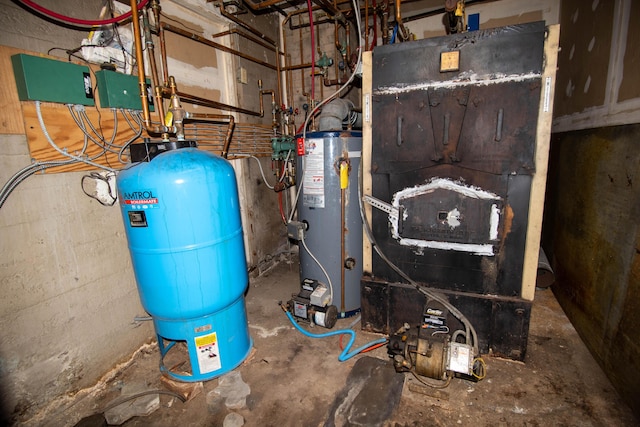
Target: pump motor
(313, 304)
(430, 351)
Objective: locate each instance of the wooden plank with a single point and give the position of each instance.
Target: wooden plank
(367, 60)
(10, 109)
(67, 135)
(20, 117)
(538, 185)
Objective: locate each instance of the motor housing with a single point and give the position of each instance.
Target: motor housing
(312, 304)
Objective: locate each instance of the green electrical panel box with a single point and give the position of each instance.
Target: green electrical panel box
(117, 90)
(44, 79)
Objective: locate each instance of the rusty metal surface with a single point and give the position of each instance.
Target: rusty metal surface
(473, 127)
(488, 128)
(454, 151)
(502, 323)
(515, 49)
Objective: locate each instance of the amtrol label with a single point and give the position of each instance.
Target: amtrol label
(143, 199)
(208, 353)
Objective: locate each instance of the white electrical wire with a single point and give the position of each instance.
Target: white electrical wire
(61, 151)
(304, 244)
(251, 156)
(470, 332)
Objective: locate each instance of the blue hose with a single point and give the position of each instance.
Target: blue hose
(345, 355)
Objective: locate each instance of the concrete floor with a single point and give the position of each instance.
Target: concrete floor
(294, 380)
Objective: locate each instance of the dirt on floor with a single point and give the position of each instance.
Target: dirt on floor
(294, 380)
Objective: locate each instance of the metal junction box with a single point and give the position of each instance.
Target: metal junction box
(43, 79)
(454, 123)
(117, 90)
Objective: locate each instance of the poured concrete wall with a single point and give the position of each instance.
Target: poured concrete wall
(68, 291)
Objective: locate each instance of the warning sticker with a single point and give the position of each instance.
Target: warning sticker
(208, 353)
(313, 183)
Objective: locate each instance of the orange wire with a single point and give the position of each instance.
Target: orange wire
(366, 350)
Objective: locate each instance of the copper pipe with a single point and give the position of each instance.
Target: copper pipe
(275, 49)
(403, 30)
(331, 9)
(342, 246)
(227, 138)
(366, 25)
(384, 22)
(304, 92)
(208, 116)
(278, 73)
(347, 30)
(248, 37)
(215, 45)
(298, 12)
(245, 25)
(274, 120)
(159, 106)
(338, 46)
(155, 6)
(324, 5)
(192, 99)
(142, 83)
(263, 4)
(287, 73)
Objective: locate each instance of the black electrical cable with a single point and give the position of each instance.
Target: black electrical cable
(25, 173)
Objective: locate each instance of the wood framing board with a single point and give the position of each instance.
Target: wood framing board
(367, 61)
(538, 185)
(11, 113)
(69, 137)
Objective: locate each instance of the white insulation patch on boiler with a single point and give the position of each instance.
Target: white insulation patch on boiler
(453, 217)
(467, 78)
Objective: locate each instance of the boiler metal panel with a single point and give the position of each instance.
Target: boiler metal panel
(455, 151)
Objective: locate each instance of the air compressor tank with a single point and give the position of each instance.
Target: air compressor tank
(328, 206)
(182, 220)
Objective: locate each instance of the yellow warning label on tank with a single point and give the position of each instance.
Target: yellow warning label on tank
(208, 353)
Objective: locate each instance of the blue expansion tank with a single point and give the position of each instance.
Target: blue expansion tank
(182, 219)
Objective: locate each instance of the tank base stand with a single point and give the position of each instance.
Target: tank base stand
(216, 344)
